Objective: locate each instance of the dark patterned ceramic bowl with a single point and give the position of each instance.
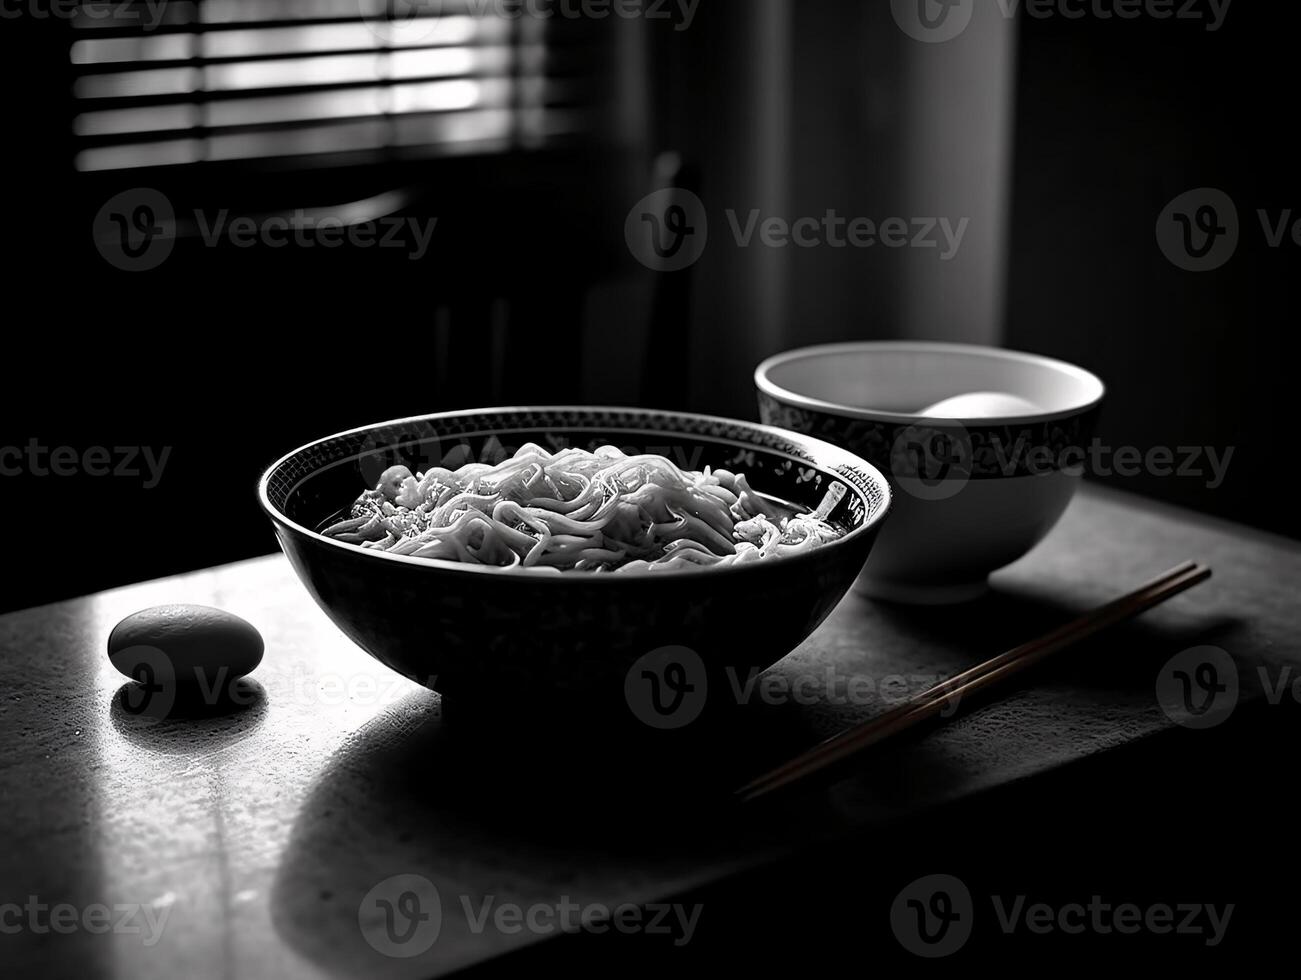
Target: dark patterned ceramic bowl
(972, 493)
(483, 634)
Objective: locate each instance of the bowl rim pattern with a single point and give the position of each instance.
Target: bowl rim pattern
(862, 478)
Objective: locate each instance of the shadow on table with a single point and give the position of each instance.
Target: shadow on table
(1123, 660)
(1086, 701)
(165, 722)
(510, 817)
(495, 813)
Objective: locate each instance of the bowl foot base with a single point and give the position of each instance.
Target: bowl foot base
(921, 595)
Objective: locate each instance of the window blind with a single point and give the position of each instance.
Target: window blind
(201, 81)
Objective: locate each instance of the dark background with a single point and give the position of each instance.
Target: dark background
(233, 357)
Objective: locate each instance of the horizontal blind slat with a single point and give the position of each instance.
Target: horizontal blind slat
(217, 80)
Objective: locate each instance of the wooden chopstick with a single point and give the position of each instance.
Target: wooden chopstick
(993, 671)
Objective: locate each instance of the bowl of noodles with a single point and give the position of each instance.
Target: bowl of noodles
(535, 555)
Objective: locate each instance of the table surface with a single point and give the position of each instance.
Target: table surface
(250, 839)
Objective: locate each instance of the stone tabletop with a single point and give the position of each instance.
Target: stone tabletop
(270, 838)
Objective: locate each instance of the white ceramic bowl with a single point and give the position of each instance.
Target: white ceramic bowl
(971, 494)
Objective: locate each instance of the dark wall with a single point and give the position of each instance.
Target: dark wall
(229, 358)
(1114, 119)
(226, 358)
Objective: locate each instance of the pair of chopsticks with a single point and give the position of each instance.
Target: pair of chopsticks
(931, 702)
